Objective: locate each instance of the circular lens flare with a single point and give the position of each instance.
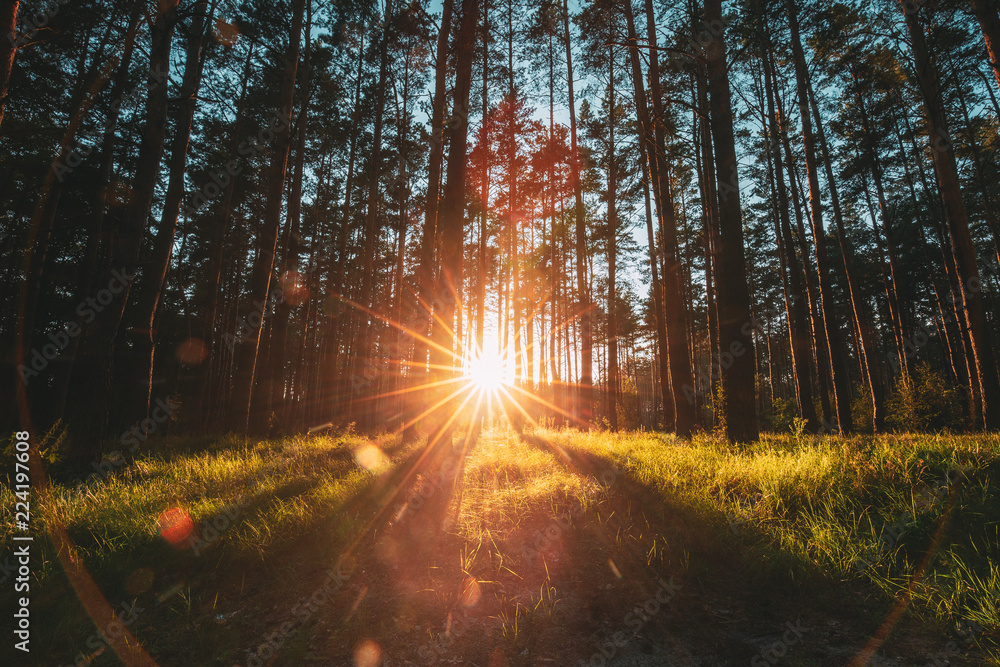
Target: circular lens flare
(486, 372)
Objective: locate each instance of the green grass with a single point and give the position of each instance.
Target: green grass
(824, 516)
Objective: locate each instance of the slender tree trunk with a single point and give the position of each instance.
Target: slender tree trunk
(970, 284)
(892, 285)
(706, 179)
(735, 323)
(8, 48)
(367, 323)
(989, 21)
(340, 322)
(98, 237)
(275, 382)
(451, 228)
(427, 262)
(866, 338)
(585, 371)
(841, 384)
(254, 307)
(92, 371)
(612, 249)
(796, 298)
(208, 396)
(821, 348)
(396, 355)
(676, 313)
(484, 193)
(661, 333)
(153, 282)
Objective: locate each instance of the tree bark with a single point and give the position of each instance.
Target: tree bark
(153, 282)
(970, 284)
(426, 264)
(866, 339)
(367, 322)
(676, 313)
(8, 48)
(585, 370)
(254, 307)
(612, 248)
(841, 384)
(796, 298)
(451, 230)
(735, 323)
(93, 368)
(989, 21)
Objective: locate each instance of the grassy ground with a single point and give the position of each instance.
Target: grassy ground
(554, 548)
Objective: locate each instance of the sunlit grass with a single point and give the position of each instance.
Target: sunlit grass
(817, 513)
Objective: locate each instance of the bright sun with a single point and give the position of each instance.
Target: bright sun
(486, 372)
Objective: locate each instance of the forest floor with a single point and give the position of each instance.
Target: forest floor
(557, 547)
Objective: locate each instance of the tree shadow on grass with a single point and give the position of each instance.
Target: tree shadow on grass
(746, 590)
(225, 579)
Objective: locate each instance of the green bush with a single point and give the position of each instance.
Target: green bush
(781, 417)
(928, 402)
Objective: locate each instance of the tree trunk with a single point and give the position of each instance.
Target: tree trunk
(92, 371)
(989, 21)
(208, 396)
(892, 285)
(367, 325)
(735, 323)
(585, 371)
(8, 48)
(451, 230)
(276, 380)
(254, 307)
(675, 311)
(943, 156)
(153, 283)
(841, 384)
(792, 278)
(427, 262)
(612, 249)
(866, 340)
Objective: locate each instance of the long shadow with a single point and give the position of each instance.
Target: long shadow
(410, 569)
(741, 588)
(342, 535)
(651, 538)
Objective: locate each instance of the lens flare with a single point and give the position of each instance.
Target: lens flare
(175, 525)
